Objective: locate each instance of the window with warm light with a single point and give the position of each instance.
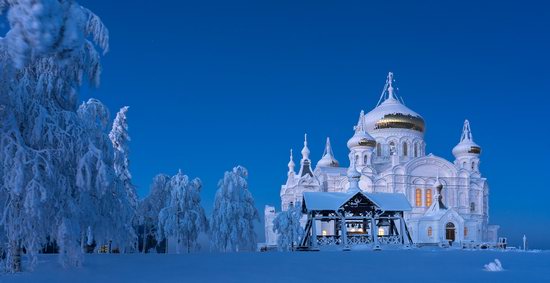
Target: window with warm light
(428, 197)
(324, 232)
(429, 231)
(418, 197)
(380, 231)
(465, 231)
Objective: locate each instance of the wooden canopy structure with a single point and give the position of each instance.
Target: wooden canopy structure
(354, 218)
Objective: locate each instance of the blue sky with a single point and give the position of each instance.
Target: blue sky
(213, 84)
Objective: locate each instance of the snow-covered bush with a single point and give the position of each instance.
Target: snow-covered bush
(288, 228)
(183, 218)
(232, 222)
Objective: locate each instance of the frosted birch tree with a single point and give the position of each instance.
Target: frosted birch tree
(232, 222)
(50, 48)
(149, 208)
(183, 218)
(288, 228)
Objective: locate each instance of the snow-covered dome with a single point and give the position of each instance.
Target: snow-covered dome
(466, 146)
(328, 159)
(361, 138)
(392, 114)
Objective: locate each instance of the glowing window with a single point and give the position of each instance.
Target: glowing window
(405, 149)
(418, 197)
(428, 197)
(380, 231)
(465, 231)
(324, 232)
(429, 231)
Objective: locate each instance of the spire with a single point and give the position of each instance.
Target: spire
(361, 127)
(305, 150)
(291, 164)
(328, 159)
(389, 82)
(466, 132)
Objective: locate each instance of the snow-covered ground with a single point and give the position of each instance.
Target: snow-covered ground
(364, 266)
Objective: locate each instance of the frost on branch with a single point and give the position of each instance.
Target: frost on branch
(183, 218)
(232, 223)
(288, 228)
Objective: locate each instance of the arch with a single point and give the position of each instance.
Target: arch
(405, 149)
(415, 149)
(378, 149)
(365, 159)
(450, 231)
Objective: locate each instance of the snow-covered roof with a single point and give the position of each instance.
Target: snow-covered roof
(390, 201)
(325, 200)
(334, 200)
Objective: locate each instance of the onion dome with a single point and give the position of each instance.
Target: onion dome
(305, 150)
(328, 159)
(466, 146)
(392, 113)
(361, 138)
(291, 164)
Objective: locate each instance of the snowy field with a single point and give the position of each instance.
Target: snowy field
(367, 266)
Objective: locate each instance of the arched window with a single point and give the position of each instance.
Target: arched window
(392, 148)
(464, 164)
(428, 197)
(473, 165)
(405, 149)
(415, 150)
(472, 207)
(365, 159)
(430, 231)
(418, 197)
(378, 150)
(465, 231)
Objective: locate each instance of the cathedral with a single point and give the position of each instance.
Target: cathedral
(387, 154)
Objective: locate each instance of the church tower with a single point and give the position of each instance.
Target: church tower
(467, 151)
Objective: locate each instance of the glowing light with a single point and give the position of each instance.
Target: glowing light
(380, 231)
(324, 232)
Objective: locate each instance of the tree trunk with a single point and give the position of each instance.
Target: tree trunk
(144, 248)
(15, 257)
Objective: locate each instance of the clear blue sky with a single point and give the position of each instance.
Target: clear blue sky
(213, 84)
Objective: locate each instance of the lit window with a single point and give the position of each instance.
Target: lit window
(380, 231)
(418, 197)
(428, 197)
(465, 231)
(429, 231)
(405, 149)
(324, 232)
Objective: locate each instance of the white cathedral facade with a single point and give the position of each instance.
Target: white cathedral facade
(449, 199)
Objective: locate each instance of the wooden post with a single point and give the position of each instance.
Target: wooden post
(313, 231)
(344, 233)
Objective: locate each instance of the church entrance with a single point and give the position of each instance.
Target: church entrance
(450, 232)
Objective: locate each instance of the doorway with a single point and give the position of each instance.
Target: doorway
(450, 232)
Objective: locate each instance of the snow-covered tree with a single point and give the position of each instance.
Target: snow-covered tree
(56, 170)
(288, 228)
(232, 223)
(184, 217)
(120, 138)
(149, 208)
